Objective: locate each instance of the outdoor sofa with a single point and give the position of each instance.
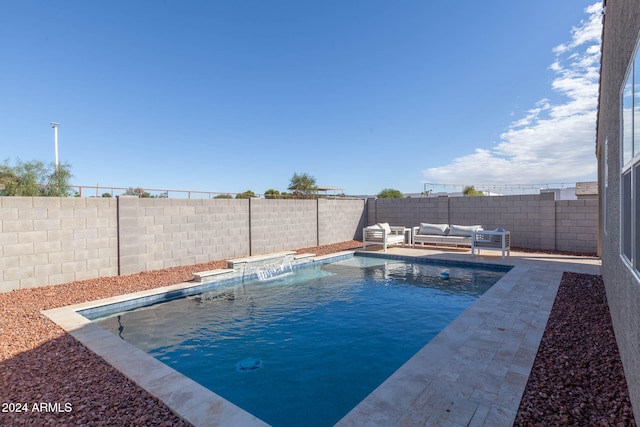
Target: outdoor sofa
(444, 234)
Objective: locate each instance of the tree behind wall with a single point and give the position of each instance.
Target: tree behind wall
(470, 190)
(271, 194)
(35, 178)
(246, 195)
(137, 192)
(390, 193)
(303, 185)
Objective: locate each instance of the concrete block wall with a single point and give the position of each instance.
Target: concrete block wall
(279, 225)
(340, 220)
(408, 212)
(47, 241)
(535, 221)
(50, 240)
(162, 233)
(529, 218)
(576, 221)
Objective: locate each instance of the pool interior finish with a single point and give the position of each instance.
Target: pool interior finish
(309, 345)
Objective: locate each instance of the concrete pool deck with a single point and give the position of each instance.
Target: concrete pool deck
(473, 373)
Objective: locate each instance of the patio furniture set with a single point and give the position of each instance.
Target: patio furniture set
(472, 236)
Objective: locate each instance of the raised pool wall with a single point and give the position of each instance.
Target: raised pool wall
(51, 240)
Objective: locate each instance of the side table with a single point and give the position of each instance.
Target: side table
(497, 240)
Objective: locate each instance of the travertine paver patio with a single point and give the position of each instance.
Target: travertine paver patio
(473, 373)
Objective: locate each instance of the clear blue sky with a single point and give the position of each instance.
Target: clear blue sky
(364, 95)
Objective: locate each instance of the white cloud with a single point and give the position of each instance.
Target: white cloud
(551, 143)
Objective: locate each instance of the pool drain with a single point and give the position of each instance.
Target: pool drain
(248, 364)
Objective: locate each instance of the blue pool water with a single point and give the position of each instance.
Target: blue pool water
(305, 348)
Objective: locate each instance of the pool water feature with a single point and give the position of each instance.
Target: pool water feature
(274, 271)
(307, 347)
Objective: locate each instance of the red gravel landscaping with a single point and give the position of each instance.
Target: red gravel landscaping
(577, 377)
(40, 363)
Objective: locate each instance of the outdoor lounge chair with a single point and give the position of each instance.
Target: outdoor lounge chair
(382, 234)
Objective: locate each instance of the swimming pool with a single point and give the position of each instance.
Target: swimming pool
(308, 346)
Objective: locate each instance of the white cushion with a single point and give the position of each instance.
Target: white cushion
(463, 230)
(385, 226)
(433, 229)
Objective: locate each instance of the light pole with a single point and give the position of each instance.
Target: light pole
(55, 125)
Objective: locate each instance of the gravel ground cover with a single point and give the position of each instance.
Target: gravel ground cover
(48, 378)
(577, 378)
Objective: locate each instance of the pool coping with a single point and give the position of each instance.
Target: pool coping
(472, 373)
